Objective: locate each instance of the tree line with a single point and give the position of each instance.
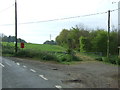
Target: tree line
(5, 38)
(85, 40)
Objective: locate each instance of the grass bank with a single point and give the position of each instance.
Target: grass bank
(40, 52)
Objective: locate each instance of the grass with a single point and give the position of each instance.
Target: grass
(85, 57)
(40, 51)
(39, 47)
(49, 53)
(113, 59)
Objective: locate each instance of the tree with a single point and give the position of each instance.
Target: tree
(12, 39)
(114, 42)
(52, 42)
(74, 35)
(62, 38)
(99, 42)
(85, 44)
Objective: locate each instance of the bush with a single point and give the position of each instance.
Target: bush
(69, 51)
(99, 59)
(118, 61)
(30, 53)
(105, 59)
(26, 53)
(35, 54)
(7, 49)
(48, 56)
(75, 58)
(112, 60)
(67, 58)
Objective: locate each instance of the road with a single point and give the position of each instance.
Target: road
(26, 73)
(16, 75)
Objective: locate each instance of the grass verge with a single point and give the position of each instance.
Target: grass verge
(8, 50)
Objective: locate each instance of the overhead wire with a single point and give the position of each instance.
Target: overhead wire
(62, 18)
(6, 8)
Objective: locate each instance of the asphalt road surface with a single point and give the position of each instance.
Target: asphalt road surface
(26, 73)
(15, 75)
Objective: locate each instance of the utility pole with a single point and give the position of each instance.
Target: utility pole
(15, 26)
(50, 37)
(108, 41)
(119, 28)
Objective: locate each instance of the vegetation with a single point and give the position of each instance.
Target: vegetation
(52, 42)
(84, 40)
(90, 42)
(38, 47)
(40, 52)
(83, 44)
(11, 39)
(113, 59)
(75, 44)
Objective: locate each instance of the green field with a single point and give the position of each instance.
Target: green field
(51, 52)
(39, 52)
(39, 47)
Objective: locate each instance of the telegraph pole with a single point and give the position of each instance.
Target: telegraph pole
(108, 41)
(119, 28)
(50, 37)
(15, 26)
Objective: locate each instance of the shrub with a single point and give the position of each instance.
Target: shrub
(118, 61)
(36, 54)
(69, 51)
(26, 53)
(67, 58)
(99, 59)
(47, 56)
(61, 58)
(105, 59)
(7, 49)
(112, 60)
(75, 58)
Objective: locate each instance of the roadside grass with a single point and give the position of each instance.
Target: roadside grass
(113, 59)
(46, 52)
(40, 52)
(85, 57)
(7, 50)
(48, 56)
(38, 47)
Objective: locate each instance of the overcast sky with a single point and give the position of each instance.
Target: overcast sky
(42, 10)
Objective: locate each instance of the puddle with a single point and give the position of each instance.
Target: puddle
(54, 69)
(72, 81)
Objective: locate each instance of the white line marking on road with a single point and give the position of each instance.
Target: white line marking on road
(8, 64)
(43, 77)
(24, 66)
(58, 86)
(18, 63)
(2, 65)
(32, 70)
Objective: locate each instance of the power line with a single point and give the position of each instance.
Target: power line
(114, 10)
(7, 24)
(6, 8)
(62, 18)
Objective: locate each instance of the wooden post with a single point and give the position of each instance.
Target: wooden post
(15, 26)
(108, 41)
(119, 52)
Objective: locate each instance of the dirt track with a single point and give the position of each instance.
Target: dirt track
(90, 74)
